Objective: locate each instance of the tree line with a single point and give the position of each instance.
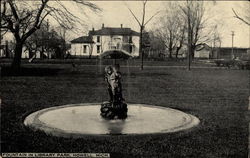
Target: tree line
(179, 24)
(23, 18)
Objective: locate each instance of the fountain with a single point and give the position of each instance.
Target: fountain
(116, 116)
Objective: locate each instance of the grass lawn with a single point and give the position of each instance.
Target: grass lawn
(218, 97)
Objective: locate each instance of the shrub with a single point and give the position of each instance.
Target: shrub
(225, 62)
(241, 64)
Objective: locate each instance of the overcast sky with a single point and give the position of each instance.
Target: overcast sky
(115, 13)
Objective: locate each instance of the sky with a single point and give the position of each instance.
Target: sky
(115, 13)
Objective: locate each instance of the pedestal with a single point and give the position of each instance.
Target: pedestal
(114, 110)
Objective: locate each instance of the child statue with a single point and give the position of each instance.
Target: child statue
(113, 78)
(108, 73)
(116, 106)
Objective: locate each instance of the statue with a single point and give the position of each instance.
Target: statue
(116, 106)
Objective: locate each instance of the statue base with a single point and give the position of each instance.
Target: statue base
(114, 110)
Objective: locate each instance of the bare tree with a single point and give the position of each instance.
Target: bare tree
(142, 25)
(63, 32)
(45, 40)
(22, 21)
(171, 28)
(245, 17)
(181, 39)
(193, 12)
(157, 46)
(216, 40)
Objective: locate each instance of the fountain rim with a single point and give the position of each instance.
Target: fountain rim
(52, 131)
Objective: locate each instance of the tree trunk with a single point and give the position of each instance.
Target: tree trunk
(30, 53)
(140, 43)
(7, 52)
(177, 52)
(192, 51)
(170, 53)
(41, 53)
(16, 63)
(140, 47)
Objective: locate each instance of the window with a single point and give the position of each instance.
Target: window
(130, 39)
(130, 49)
(98, 39)
(84, 49)
(98, 49)
(126, 39)
(117, 39)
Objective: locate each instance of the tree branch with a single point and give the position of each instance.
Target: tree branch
(9, 25)
(238, 17)
(134, 16)
(151, 18)
(92, 6)
(143, 13)
(13, 9)
(35, 26)
(41, 21)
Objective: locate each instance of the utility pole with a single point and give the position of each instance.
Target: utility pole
(232, 44)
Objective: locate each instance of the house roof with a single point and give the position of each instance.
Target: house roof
(114, 31)
(83, 39)
(230, 48)
(105, 31)
(202, 46)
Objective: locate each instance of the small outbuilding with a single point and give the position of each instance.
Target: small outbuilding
(203, 51)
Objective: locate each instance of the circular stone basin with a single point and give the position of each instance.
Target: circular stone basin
(78, 120)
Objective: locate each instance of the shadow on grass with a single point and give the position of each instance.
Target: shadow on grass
(25, 71)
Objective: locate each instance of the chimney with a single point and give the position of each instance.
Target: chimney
(93, 29)
(103, 25)
(121, 25)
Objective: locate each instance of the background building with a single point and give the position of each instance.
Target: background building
(107, 40)
(204, 51)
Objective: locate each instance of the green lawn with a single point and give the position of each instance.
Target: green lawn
(218, 97)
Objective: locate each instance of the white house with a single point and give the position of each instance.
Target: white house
(107, 40)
